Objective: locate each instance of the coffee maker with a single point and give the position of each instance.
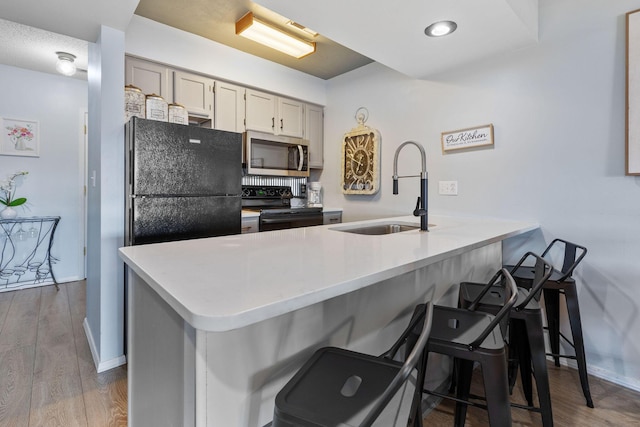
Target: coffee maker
(314, 195)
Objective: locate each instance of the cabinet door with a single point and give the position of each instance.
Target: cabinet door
(260, 111)
(290, 117)
(331, 218)
(195, 92)
(148, 77)
(250, 225)
(314, 132)
(229, 107)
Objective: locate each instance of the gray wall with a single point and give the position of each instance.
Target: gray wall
(559, 116)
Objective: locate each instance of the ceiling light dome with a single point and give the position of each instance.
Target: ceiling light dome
(441, 28)
(65, 64)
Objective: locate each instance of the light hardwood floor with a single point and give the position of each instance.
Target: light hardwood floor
(47, 375)
(614, 405)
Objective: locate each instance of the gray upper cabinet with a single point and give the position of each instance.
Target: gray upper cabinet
(149, 77)
(274, 114)
(260, 111)
(290, 117)
(229, 107)
(314, 132)
(195, 93)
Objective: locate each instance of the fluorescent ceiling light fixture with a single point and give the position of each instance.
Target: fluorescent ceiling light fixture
(262, 33)
(439, 29)
(65, 64)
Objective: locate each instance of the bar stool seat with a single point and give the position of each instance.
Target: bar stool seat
(471, 336)
(342, 388)
(561, 283)
(526, 332)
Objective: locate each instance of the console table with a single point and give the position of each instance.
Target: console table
(26, 251)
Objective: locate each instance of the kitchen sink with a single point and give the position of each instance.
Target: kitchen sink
(380, 228)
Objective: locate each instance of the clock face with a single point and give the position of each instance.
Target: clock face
(360, 163)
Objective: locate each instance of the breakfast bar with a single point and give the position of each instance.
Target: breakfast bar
(217, 326)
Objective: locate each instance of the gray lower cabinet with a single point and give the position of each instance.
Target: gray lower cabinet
(331, 217)
(250, 224)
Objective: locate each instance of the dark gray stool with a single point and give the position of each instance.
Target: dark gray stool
(470, 336)
(338, 387)
(559, 283)
(526, 332)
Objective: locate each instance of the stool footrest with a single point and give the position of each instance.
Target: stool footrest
(567, 340)
(455, 399)
(480, 405)
(566, 356)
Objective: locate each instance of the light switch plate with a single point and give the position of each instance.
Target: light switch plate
(448, 188)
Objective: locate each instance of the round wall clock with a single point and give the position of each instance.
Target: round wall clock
(361, 159)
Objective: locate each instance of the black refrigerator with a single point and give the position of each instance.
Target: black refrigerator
(182, 182)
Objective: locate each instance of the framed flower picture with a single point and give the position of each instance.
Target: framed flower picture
(19, 138)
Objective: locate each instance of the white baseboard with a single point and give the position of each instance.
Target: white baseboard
(603, 374)
(30, 284)
(101, 366)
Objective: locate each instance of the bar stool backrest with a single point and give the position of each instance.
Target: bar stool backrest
(542, 271)
(409, 364)
(504, 278)
(573, 254)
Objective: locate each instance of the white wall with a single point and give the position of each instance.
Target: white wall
(558, 111)
(54, 186)
(161, 43)
(104, 324)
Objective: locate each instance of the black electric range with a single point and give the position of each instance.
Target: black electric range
(274, 205)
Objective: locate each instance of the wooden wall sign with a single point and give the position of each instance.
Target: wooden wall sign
(467, 138)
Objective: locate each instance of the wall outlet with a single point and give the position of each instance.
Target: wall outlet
(448, 188)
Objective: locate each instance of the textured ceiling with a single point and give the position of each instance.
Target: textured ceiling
(353, 32)
(80, 19)
(215, 20)
(23, 46)
(392, 33)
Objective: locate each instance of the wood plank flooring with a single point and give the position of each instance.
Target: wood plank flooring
(47, 375)
(614, 405)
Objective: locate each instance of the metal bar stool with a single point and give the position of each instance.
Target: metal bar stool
(470, 336)
(561, 282)
(338, 387)
(526, 332)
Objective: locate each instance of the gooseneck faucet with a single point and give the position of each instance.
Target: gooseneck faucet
(421, 204)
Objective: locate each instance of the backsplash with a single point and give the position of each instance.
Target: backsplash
(294, 182)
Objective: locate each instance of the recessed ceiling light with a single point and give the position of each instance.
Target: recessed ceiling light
(439, 29)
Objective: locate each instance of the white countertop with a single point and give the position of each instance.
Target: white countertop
(224, 283)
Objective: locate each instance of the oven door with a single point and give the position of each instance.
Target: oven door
(282, 221)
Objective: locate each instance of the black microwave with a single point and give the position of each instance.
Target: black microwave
(266, 154)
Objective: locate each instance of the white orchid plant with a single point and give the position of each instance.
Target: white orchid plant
(7, 191)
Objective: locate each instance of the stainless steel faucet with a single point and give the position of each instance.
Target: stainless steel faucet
(421, 204)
